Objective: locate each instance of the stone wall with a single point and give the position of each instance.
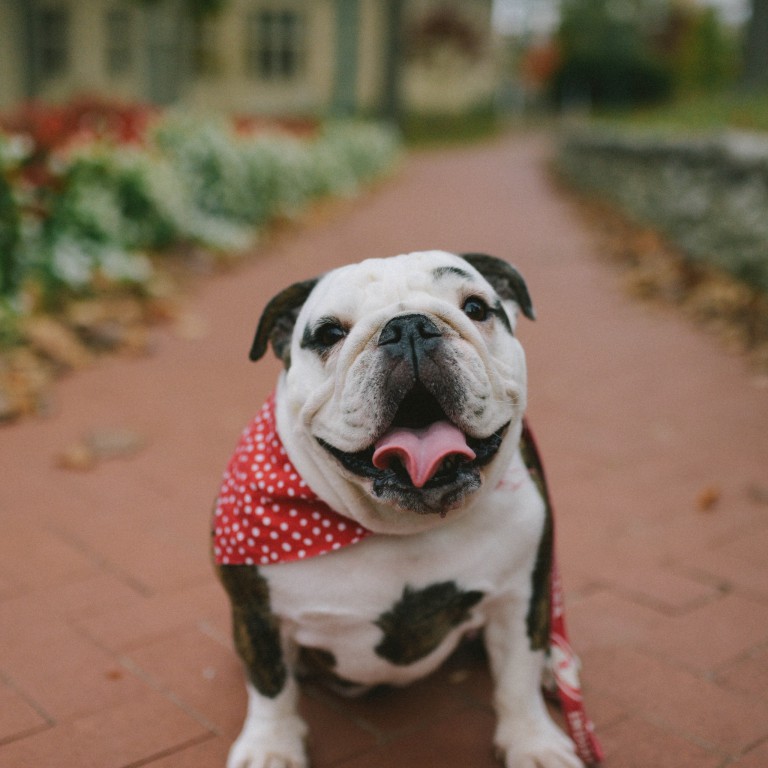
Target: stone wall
(709, 196)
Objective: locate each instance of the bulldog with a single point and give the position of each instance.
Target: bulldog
(379, 509)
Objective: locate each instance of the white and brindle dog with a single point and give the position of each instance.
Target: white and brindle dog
(400, 407)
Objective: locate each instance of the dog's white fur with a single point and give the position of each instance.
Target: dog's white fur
(488, 543)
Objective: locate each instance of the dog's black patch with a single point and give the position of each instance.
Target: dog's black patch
(504, 278)
(538, 618)
(256, 629)
(278, 320)
(417, 624)
(319, 665)
(323, 336)
(498, 311)
(440, 272)
(316, 661)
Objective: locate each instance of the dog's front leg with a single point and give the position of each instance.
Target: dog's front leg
(273, 733)
(526, 736)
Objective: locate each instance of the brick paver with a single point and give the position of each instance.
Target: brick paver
(114, 637)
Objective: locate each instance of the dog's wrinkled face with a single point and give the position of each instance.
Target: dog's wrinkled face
(403, 380)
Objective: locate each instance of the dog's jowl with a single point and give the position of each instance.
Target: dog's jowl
(379, 507)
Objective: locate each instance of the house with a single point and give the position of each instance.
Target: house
(286, 57)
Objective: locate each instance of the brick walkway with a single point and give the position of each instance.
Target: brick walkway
(114, 638)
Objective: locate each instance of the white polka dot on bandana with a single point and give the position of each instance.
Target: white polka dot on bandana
(265, 510)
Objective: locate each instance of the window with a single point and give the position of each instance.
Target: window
(53, 41)
(204, 53)
(274, 44)
(119, 34)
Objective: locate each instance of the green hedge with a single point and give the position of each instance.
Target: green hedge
(709, 195)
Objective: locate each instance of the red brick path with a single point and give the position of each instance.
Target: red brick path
(114, 639)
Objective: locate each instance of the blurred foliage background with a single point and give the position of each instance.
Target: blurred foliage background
(663, 144)
(101, 199)
(701, 65)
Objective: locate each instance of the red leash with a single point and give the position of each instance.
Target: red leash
(565, 664)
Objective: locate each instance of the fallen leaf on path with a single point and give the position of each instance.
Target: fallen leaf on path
(114, 443)
(110, 324)
(24, 383)
(100, 445)
(77, 456)
(708, 498)
(57, 342)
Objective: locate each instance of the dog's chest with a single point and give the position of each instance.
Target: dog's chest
(390, 609)
(388, 627)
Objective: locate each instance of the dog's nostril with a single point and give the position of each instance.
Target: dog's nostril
(390, 334)
(427, 329)
(408, 326)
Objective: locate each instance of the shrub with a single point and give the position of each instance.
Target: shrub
(81, 210)
(13, 153)
(607, 57)
(605, 79)
(709, 196)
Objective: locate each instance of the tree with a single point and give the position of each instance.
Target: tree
(756, 46)
(606, 55)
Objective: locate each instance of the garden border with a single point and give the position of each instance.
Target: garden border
(709, 195)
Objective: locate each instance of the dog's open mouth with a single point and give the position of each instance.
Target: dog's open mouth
(421, 450)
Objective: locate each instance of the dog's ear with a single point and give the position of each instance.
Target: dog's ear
(504, 278)
(278, 319)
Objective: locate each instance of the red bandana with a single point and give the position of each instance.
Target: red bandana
(565, 667)
(266, 513)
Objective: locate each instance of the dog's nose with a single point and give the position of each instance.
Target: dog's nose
(409, 335)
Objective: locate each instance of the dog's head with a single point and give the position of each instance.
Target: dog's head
(404, 384)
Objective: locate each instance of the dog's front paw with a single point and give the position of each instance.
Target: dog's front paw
(538, 747)
(254, 748)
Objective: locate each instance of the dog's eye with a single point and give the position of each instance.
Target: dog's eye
(475, 309)
(329, 333)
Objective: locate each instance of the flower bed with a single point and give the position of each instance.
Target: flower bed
(94, 196)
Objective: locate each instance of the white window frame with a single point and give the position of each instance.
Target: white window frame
(275, 43)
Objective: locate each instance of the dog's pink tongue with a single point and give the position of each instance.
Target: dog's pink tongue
(422, 450)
